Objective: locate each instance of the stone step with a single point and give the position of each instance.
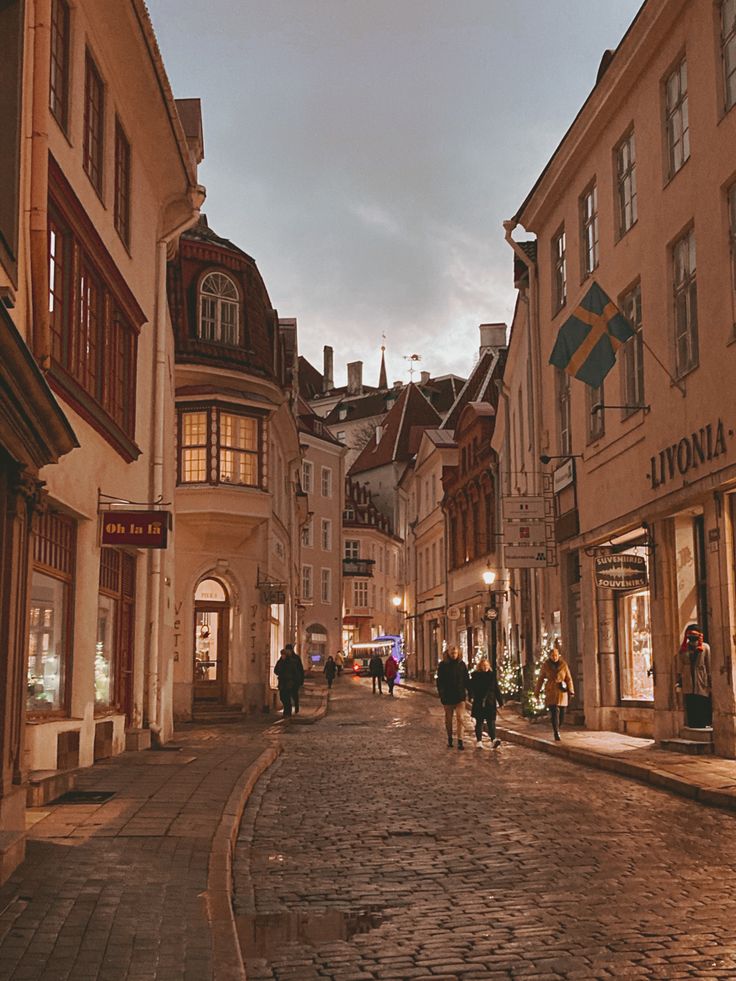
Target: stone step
(697, 735)
(693, 747)
(46, 785)
(12, 852)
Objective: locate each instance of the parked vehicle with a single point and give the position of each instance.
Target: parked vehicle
(360, 654)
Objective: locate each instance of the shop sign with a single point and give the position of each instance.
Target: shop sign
(525, 556)
(563, 476)
(524, 532)
(142, 529)
(623, 571)
(453, 613)
(688, 453)
(528, 508)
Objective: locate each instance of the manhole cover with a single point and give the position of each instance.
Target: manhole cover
(358, 724)
(84, 797)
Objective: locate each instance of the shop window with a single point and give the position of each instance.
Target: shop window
(49, 642)
(220, 447)
(635, 647)
(115, 620)
(219, 309)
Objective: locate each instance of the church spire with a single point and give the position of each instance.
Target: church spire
(382, 378)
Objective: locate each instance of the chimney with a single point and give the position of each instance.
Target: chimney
(424, 378)
(327, 373)
(355, 378)
(492, 337)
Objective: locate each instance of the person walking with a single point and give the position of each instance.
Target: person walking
(486, 696)
(558, 687)
(298, 674)
(288, 681)
(330, 670)
(375, 669)
(340, 662)
(694, 679)
(391, 671)
(452, 687)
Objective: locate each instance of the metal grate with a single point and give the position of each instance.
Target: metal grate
(84, 797)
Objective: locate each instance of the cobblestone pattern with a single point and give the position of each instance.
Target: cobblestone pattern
(479, 865)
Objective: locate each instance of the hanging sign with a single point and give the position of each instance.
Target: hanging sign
(142, 529)
(523, 508)
(624, 571)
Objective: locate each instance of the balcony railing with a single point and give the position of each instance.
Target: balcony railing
(358, 567)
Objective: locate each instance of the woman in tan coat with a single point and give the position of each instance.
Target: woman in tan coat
(558, 687)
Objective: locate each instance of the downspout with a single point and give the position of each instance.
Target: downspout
(152, 715)
(40, 340)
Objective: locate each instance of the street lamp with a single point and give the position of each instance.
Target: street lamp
(396, 600)
(489, 577)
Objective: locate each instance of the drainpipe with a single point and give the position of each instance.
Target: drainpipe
(40, 340)
(152, 709)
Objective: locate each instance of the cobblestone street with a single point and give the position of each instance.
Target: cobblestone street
(372, 851)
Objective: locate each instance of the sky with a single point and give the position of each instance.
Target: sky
(366, 153)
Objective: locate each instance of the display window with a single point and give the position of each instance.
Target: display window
(113, 668)
(635, 646)
(49, 639)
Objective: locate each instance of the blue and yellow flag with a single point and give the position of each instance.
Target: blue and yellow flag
(588, 340)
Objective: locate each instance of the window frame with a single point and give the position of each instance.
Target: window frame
(679, 111)
(307, 476)
(307, 582)
(633, 384)
(360, 586)
(214, 445)
(326, 482)
(625, 183)
(325, 585)
(351, 545)
(60, 60)
(684, 295)
(326, 527)
(221, 302)
(589, 233)
(308, 532)
(93, 141)
(596, 423)
(727, 43)
(731, 213)
(563, 402)
(123, 184)
(559, 270)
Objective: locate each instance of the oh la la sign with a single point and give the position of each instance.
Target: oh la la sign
(689, 453)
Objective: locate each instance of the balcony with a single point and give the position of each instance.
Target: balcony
(358, 567)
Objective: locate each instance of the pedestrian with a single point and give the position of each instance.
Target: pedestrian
(288, 678)
(452, 686)
(391, 671)
(375, 670)
(486, 696)
(558, 687)
(694, 679)
(330, 670)
(340, 662)
(298, 673)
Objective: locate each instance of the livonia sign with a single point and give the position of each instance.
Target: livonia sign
(689, 453)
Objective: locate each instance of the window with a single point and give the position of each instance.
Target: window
(626, 184)
(59, 82)
(732, 241)
(352, 549)
(220, 446)
(122, 184)
(564, 432)
(326, 482)
(340, 435)
(589, 229)
(115, 629)
(685, 303)
(49, 648)
(307, 476)
(308, 533)
(326, 535)
(596, 415)
(307, 588)
(632, 353)
(728, 52)
(559, 271)
(93, 340)
(326, 585)
(360, 594)
(94, 124)
(219, 309)
(635, 646)
(676, 117)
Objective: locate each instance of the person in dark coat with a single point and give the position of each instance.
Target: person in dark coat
(486, 696)
(694, 678)
(298, 669)
(375, 669)
(330, 670)
(452, 687)
(288, 680)
(391, 671)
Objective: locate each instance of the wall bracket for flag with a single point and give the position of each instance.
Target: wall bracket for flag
(678, 385)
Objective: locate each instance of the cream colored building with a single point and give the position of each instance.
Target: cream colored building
(640, 196)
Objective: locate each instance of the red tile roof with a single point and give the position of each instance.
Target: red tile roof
(401, 431)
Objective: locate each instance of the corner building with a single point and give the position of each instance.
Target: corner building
(640, 196)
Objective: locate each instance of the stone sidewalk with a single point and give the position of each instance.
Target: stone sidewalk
(137, 885)
(707, 779)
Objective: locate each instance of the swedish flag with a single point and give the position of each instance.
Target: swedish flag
(588, 340)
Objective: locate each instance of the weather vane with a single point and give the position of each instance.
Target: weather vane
(412, 359)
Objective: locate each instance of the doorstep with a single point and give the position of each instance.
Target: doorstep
(47, 785)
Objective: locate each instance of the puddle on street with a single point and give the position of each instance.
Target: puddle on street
(263, 933)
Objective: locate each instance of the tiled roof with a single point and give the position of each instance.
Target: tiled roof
(400, 430)
(310, 379)
(480, 387)
(201, 232)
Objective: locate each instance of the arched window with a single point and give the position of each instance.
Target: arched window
(219, 309)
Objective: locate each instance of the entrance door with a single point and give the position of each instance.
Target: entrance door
(211, 632)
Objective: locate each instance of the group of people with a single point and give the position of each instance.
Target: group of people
(455, 684)
(380, 670)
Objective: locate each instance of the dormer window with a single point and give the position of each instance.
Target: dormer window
(219, 309)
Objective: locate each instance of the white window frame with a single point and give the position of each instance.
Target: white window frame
(221, 299)
(559, 270)
(325, 583)
(352, 548)
(685, 303)
(308, 533)
(564, 414)
(326, 534)
(307, 582)
(677, 127)
(307, 476)
(625, 171)
(360, 594)
(596, 420)
(588, 205)
(326, 481)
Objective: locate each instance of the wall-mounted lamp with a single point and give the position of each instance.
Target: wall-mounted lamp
(599, 407)
(544, 458)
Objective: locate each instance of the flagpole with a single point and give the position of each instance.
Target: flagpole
(678, 385)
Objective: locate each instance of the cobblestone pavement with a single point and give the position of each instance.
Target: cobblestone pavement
(371, 852)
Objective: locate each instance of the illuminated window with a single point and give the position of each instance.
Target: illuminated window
(219, 446)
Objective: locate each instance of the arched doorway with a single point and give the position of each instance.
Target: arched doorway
(316, 645)
(211, 632)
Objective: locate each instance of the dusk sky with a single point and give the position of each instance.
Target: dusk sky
(366, 153)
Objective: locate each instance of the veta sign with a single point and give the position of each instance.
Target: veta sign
(143, 529)
(623, 571)
(688, 453)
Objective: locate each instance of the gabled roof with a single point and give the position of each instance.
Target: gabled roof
(309, 422)
(364, 407)
(401, 431)
(310, 379)
(480, 387)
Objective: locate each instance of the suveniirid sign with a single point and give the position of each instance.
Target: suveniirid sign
(141, 529)
(622, 571)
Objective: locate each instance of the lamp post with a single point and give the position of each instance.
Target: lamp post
(489, 577)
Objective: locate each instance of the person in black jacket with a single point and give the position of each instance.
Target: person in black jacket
(486, 695)
(298, 669)
(288, 675)
(375, 669)
(452, 686)
(330, 670)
